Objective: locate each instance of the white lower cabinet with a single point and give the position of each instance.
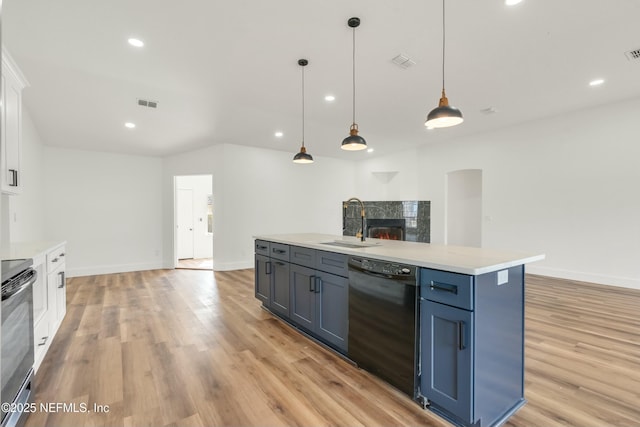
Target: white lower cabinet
(49, 300)
(41, 302)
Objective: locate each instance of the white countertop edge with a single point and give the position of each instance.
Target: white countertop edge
(33, 249)
(473, 261)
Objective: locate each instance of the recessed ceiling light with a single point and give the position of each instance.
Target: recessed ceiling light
(596, 82)
(136, 42)
(329, 98)
(369, 150)
(129, 125)
(512, 2)
(278, 134)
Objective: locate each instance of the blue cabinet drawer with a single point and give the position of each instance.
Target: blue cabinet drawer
(262, 247)
(453, 289)
(302, 256)
(279, 251)
(333, 263)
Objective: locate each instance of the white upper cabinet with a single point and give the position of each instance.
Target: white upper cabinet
(13, 81)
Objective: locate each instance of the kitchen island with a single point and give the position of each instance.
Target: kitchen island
(466, 359)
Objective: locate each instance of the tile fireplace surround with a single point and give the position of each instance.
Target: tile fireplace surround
(416, 213)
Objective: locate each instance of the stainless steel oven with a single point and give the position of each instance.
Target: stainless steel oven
(17, 339)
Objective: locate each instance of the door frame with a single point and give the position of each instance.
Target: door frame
(175, 214)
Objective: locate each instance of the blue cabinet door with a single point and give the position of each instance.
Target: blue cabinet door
(303, 296)
(279, 301)
(263, 279)
(447, 356)
(332, 308)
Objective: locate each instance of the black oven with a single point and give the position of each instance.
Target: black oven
(17, 339)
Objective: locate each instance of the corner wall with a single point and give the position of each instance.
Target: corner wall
(565, 186)
(260, 191)
(108, 207)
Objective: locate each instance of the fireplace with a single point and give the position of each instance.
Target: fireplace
(389, 229)
(412, 217)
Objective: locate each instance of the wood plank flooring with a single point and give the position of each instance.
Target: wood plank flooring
(196, 263)
(194, 348)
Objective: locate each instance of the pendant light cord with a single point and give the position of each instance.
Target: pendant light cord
(303, 106)
(443, 40)
(354, 74)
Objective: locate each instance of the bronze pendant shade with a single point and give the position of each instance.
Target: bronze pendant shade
(354, 141)
(444, 115)
(303, 156)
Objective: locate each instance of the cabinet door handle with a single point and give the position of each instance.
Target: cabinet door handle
(280, 251)
(318, 285)
(54, 260)
(280, 263)
(461, 344)
(267, 267)
(312, 283)
(262, 247)
(44, 341)
(439, 286)
(62, 279)
(14, 178)
(62, 255)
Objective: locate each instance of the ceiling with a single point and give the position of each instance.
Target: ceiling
(226, 71)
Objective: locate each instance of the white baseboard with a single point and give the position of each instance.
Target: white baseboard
(624, 282)
(227, 266)
(111, 269)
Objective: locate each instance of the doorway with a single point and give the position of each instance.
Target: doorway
(464, 208)
(193, 222)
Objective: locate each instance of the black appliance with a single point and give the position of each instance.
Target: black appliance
(17, 339)
(383, 316)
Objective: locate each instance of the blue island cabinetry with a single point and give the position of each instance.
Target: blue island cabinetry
(468, 365)
(472, 345)
(305, 287)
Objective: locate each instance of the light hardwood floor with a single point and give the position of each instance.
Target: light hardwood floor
(196, 263)
(194, 348)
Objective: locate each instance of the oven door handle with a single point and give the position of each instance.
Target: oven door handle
(26, 284)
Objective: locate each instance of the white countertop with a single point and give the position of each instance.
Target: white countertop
(30, 249)
(458, 259)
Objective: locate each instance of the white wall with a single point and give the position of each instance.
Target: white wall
(566, 186)
(463, 215)
(26, 211)
(201, 186)
(260, 191)
(108, 207)
(391, 177)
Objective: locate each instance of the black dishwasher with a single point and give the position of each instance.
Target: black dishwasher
(382, 320)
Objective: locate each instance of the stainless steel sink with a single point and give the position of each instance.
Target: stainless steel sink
(345, 244)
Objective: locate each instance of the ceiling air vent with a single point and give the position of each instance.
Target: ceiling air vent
(633, 55)
(147, 103)
(403, 61)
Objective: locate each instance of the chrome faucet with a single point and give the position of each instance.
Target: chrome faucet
(344, 208)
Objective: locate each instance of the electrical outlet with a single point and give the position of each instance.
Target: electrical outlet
(503, 277)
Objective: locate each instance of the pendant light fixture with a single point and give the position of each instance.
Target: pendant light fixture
(444, 115)
(354, 141)
(302, 156)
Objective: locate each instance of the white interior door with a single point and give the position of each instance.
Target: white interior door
(185, 223)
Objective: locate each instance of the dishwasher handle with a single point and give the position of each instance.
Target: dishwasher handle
(385, 275)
